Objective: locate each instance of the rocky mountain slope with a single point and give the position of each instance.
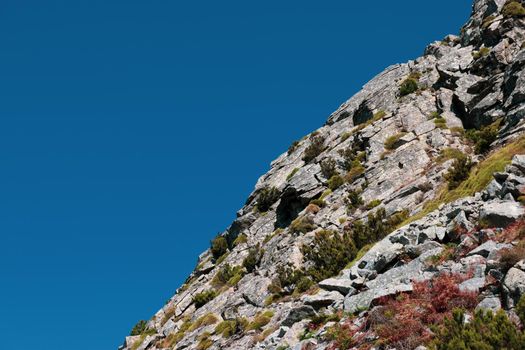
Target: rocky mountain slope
(369, 232)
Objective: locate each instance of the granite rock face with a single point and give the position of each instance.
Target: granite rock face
(382, 151)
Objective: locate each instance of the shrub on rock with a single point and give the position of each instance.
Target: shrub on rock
(219, 246)
(328, 167)
(458, 172)
(203, 298)
(315, 148)
(267, 197)
(513, 8)
(408, 86)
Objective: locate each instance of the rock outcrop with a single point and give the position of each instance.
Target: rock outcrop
(376, 178)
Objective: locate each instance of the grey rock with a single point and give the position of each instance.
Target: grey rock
(492, 303)
(322, 299)
(501, 214)
(363, 300)
(514, 283)
(341, 285)
(486, 248)
(473, 284)
(297, 314)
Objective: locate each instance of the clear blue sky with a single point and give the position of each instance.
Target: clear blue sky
(132, 131)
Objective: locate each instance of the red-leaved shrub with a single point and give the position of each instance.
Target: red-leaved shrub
(403, 322)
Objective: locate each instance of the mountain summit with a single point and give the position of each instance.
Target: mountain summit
(397, 225)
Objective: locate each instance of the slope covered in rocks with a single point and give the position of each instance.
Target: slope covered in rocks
(411, 188)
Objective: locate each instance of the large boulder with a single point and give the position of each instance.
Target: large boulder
(501, 214)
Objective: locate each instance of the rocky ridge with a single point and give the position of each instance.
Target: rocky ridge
(377, 177)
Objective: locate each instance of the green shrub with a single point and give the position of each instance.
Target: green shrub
(203, 298)
(408, 86)
(204, 341)
(140, 328)
(260, 320)
(484, 137)
(484, 51)
(230, 327)
(354, 173)
(449, 153)
(241, 239)
(219, 247)
(303, 284)
(293, 147)
(328, 254)
(302, 224)
(315, 148)
(227, 275)
(513, 8)
(373, 204)
(319, 202)
(335, 182)
(251, 262)
(205, 320)
(267, 197)
(487, 21)
(328, 167)
(458, 172)
(392, 142)
(292, 173)
(484, 331)
(353, 200)
(345, 136)
(286, 282)
(440, 122)
(376, 227)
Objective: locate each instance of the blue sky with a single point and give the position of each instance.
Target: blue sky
(132, 131)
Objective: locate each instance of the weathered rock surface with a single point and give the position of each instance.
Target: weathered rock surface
(389, 149)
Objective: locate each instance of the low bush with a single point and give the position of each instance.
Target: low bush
(354, 173)
(219, 247)
(203, 298)
(328, 167)
(483, 138)
(267, 197)
(203, 321)
(513, 8)
(440, 122)
(292, 173)
(293, 147)
(373, 204)
(304, 284)
(392, 142)
(260, 320)
(251, 262)
(484, 51)
(408, 86)
(404, 322)
(241, 239)
(449, 153)
(302, 224)
(204, 341)
(511, 256)
(459, 171)
(353, 200)
(319, 202)
(483, 331)
(227, 275)
(286, 281)
(335, 182)
(328, 254)
(140, 328)
(315, 148)
(230, 327)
